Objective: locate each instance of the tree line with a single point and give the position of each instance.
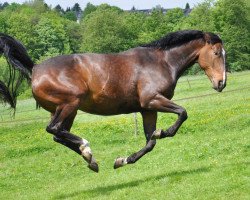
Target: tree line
(48, 32)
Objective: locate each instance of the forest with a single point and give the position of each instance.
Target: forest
(47, 31)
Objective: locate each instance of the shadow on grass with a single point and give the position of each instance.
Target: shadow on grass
(108, 189)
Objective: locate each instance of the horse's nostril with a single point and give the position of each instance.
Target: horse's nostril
(220, 84)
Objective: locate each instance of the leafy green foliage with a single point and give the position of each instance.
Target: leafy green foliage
(173, 19)
(52, 39)
(234, 28)
(21, 26)
(200, 18)
(70, 15)
(133, 22)
(59, 9)
(74, 34)
(88, 9)
(153, 26)
(104, 31)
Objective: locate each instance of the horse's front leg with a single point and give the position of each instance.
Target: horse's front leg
(149, 125)
(162, 104)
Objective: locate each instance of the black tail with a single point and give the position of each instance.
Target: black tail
(18, 61)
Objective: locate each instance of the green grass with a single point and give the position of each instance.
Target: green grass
(207, 159)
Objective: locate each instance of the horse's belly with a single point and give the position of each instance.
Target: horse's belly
(108, 106)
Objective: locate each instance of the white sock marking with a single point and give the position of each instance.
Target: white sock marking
(125, 161)
(85, 148)
(85, 143)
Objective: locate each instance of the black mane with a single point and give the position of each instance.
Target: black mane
(179, 38)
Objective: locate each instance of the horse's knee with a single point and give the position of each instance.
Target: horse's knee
(148, 104)
(50, 129)
(183, 114)
(53, 129)
(54, 126)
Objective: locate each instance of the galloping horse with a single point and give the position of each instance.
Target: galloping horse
(141, 79)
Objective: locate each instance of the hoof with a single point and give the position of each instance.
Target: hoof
(120, 162)
(156, 135)
(94, 167)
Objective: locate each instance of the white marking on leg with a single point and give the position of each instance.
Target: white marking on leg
(119, 162)
(85, 143)
(124, 162)
(85, 148)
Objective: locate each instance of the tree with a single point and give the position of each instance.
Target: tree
(133, 8)
(153, 27)
(172, 19)
(59, 9)
(70, 15)
(200, 18)
(231, 22)
(104, 31)
(52, 39)
(21, 26)
(74, 33)
(5, 4)
(76, 8)
(88, 9)
(159, 8)
(134, 22)
(187, 7)
(3, 21)
(39, 5)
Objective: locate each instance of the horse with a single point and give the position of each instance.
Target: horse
(141, 79)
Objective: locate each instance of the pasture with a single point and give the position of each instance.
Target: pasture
(207, 159)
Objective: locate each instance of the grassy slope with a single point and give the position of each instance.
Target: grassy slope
(207, 159)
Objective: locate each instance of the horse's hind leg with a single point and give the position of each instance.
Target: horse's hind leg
(67, 126)
(60, 126)
(149, 125)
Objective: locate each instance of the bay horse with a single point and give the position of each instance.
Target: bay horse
(141, 79)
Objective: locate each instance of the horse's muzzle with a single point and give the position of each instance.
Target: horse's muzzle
(220, 86)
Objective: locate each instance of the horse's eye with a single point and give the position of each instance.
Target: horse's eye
(216, 53)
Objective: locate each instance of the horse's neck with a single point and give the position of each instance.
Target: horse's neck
(183, 57)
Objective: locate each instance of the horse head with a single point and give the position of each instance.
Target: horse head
(212, 60)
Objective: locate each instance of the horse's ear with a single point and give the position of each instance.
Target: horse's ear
(207, 38)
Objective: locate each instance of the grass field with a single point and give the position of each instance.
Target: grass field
(207, 159)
